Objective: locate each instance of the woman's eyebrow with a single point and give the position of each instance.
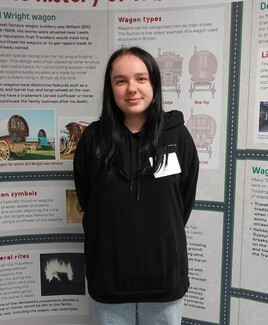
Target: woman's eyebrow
(136, 74)
(118, 76)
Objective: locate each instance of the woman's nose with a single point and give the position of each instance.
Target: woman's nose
(131, 87)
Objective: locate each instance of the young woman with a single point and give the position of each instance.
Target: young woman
(135, 173)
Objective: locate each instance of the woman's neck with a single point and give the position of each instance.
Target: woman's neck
(135, 124)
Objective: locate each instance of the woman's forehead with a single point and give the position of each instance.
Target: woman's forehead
(128, 63)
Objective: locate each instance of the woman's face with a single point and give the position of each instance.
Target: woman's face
(131, 85)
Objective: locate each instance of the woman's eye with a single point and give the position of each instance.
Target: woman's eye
(120, 82)
(142, 79)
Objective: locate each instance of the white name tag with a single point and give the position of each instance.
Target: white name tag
(172, 167)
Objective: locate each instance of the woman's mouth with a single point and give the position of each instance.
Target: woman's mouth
(133, 100)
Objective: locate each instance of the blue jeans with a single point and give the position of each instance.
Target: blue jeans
(164, 313)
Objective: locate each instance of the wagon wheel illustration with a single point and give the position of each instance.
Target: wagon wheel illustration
(213, 90)
(209, 152)
(20, 149)
(191, 90)
(70, 147)
(4, 150)
(33, 147)
(62, 147)
(178, 90)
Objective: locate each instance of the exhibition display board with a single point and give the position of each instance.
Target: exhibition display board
(213, 58)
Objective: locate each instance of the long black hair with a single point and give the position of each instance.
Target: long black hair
(113, 132)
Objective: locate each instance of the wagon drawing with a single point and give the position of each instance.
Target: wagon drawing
(13, 140)
(43, 141)
(203, 129)
(203, 66)
(75, 129)
(170, 66)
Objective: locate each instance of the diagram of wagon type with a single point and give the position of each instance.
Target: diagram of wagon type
(203, 66)
(13, 136)
(203, 129)
(170, 66)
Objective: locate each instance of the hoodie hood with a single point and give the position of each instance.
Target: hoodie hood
(173, 119)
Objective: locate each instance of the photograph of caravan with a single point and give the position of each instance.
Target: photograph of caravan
(70, 131)
(27, 134)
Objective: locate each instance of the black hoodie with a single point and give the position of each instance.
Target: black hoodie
(135, 243)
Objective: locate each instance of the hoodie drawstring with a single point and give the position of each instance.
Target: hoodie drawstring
(131, 165)
(134, 170)
(138, 168)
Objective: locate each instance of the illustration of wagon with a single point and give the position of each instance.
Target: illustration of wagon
(203, 66)
(203, 129)
(170, 66)
(13, 140)
(75, 130)
(40, 142)
(43, 141)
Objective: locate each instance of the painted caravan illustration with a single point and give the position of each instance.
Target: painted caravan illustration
(203, 129)
(203, 67)
(70, 137)
(170, 66)
(13, 140)
(19, 142)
